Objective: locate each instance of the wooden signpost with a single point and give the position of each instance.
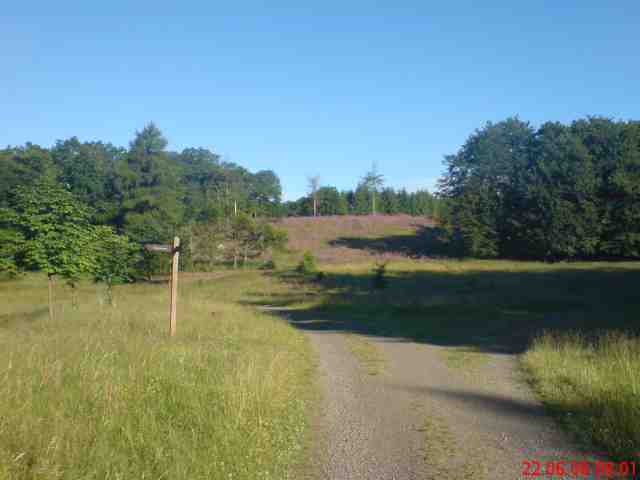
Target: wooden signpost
(174, 250)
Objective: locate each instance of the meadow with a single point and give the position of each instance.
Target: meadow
(101, 392)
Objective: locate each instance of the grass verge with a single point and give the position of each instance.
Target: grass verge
(101, 392)
(592, 384)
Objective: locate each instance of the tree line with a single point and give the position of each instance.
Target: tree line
(555, 192)
(369, 197)
(80, 209)
(144, 191)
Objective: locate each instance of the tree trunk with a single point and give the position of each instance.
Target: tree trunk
(74, 296)
(235, 208)
(315, 207)
(373, 202)
(50, 281)
(235, 259)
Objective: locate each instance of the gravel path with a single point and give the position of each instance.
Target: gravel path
(422, 419)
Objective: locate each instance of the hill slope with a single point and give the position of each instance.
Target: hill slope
(342, 238)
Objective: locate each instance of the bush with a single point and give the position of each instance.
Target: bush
(268, 265)
(379, 275)
(309, 264)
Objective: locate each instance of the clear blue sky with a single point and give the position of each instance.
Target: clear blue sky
(312, 87)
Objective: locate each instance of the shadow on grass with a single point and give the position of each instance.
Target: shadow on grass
(496, 311)
(9, 319)
(428, 241)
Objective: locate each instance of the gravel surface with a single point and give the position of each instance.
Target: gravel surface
(422, 419)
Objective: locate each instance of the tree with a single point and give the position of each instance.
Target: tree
(559, 217)
(330, 201)
(58, 238)
(615, 151)
(251, 238)
(149, 186)
(266, 191)
(389, 203)
(88, 171)
(373, 181)
(24, 166)
(314, 184)
(622, 228)
(483, 186)
(361, 200)
(115, 257)
(11, 244)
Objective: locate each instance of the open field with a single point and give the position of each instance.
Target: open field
(101, 392)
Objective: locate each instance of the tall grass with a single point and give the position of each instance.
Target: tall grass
(102, 393)
(593, 385)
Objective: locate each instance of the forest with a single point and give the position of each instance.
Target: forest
(553, 193)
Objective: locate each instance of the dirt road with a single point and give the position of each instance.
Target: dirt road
(421, 418)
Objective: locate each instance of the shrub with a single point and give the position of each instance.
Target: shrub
(268, 265)
(309, 264)
(379, 274)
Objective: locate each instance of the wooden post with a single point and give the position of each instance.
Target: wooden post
(175, 254)
(50, 281)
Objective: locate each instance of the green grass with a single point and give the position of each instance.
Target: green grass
(440, 442)
(593, 386)
(103, 393)
(367, 353)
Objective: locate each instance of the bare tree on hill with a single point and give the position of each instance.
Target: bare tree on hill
(373, 181)
(314, 185)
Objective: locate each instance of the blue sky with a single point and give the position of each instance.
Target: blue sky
(306, 88)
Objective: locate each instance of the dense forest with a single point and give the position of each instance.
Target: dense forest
(555, 192)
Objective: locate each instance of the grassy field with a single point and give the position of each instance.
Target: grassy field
(102, 393)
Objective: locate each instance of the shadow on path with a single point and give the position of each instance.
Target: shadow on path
(497, 311)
